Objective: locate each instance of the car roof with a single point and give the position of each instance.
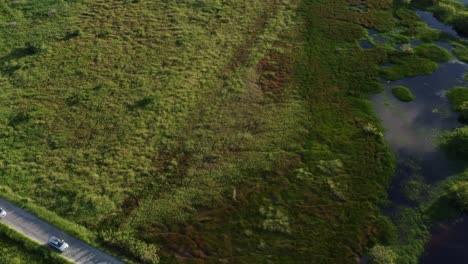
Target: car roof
(54, 239)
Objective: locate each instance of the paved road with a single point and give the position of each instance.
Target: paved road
(40, 231)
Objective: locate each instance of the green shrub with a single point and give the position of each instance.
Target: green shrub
(465, 76)
(403, 94)
(126, 242)
(460, 23)
(382, 255)
(427, 34)
(275, 220)
(433, 52)
(457, 96)
(407, 65)
(455, 142)
(35, 47)
(464, 111)
(458, 193)
(415, 189)
(460, 51)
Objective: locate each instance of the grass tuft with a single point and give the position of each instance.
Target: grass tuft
(403, 94)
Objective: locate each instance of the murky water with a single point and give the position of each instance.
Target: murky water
(411, 130)
(449, 244)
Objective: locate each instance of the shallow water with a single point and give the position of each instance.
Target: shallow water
(429, 18)
(410, 131)
(365, 44)
(411, 127)
(378, 38)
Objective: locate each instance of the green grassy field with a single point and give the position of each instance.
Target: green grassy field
(200, 131)
(16, 253)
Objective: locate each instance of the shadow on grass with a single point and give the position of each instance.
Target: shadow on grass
(9, 63)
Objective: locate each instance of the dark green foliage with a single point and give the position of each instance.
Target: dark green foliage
(433, 52)
(429, 34)
(410, 62)
(460, 22)
(457, 96)
(415, 189)
(403, 93)
(456, 142)
(458, 193)
(124, 241)
(19, 118)
(460, 51)
(35, 47)
(408, 18)
(412, 236)
(463, 109)
(407, 65)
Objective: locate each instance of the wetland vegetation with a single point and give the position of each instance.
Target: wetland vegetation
(234, 131)
(403, 93)
(210, 131)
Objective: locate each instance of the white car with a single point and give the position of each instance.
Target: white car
(57, 244)
(2, 213)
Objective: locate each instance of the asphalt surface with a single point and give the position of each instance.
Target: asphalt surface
(40, 231)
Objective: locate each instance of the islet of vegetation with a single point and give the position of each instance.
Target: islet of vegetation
(402, 93)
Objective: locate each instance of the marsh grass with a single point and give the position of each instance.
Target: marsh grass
(433, 52)
(180, 120)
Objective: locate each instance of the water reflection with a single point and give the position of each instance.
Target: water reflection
(412, 126)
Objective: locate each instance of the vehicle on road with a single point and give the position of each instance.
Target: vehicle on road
(57, 244)
(2, 213)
